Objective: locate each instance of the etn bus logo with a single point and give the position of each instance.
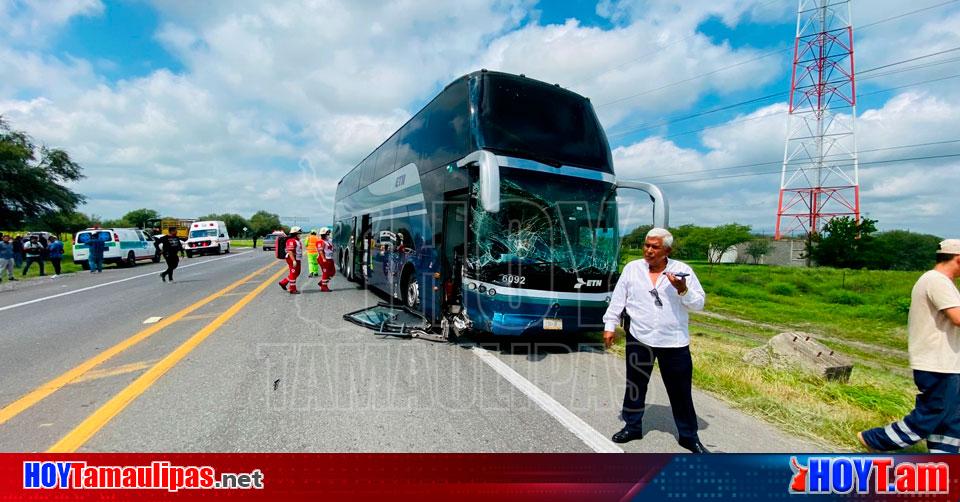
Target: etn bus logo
(401, 180)
(877, 475)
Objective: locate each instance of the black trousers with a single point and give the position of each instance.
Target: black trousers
(30, 260)
(172, 262)
(676, 368)
(56, 265)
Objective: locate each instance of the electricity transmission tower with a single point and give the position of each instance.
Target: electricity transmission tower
(820, 177)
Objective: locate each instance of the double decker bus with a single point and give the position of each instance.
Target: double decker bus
(493, 209)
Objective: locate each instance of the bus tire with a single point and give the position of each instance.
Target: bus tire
(411, 289)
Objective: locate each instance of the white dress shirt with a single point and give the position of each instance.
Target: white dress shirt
(655, 326)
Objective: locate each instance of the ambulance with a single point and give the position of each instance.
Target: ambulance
(209, 237)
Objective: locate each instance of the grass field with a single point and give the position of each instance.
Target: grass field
(860, 313)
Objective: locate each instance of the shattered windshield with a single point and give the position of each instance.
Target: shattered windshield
(546, 223)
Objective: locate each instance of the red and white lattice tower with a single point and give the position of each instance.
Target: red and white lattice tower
(820, 177)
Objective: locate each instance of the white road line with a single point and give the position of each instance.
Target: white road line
(598, 442)
(88, 288)
(152, 320)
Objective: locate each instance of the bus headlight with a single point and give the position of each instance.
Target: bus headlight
(471, 286)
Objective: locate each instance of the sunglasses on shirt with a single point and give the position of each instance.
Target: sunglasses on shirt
(656, 297)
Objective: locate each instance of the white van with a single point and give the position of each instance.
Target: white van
(123, 246)
(207, 237)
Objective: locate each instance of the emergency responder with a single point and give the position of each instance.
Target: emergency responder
(171, 247)
(312, 241)
(294, 250)
(326, 259)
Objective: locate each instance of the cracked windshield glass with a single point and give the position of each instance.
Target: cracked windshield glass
(560, 226)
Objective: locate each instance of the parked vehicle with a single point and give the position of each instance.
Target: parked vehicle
(270, 241)
(209, 237)
(162, 225)
(123, 246)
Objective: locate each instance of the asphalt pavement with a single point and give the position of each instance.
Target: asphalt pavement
(223, 360)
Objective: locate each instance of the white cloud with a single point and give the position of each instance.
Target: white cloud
(276, 100)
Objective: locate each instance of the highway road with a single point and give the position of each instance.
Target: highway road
(223, 360)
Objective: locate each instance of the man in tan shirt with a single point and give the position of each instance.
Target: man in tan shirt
(934, 343)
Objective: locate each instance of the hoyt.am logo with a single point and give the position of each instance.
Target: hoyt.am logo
(876, 475)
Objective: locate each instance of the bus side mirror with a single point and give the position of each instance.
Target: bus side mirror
(489, 179)
(661, 208)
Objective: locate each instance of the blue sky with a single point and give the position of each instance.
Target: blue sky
(192, 108)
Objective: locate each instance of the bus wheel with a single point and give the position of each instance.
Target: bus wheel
(411, 290)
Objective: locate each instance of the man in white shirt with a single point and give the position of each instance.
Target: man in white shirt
(657, 294)
(934, 345)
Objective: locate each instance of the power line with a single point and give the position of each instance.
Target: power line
(764, 55)
(888, 161)
(779, 115)
(763, 98)
(778, 162)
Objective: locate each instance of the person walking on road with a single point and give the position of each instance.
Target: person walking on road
(312, 241)
(33, 251)
(657, 294)
(254, 242)
(55, 253)
(171, 247)
(294, 249)
(96, 246)
(326, 259)
(934, 345)
(6, 258)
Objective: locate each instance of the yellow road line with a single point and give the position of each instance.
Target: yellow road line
(109, 372)
(92, 424)
(35, 396)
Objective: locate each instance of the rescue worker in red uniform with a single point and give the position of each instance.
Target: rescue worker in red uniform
(294, 250)
(325, 258)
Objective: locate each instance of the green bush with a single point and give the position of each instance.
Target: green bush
(845, 298)
(782, 289)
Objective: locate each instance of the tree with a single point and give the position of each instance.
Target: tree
(901, 250)
(262, 223)
(723, 237)
(32, 179)
(234, 222)
(757, 249)
(635, 238)
(690, 242)
(138, 217)
(61, 222)
(843, 242)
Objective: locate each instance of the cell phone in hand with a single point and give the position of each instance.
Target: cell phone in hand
(680, 274)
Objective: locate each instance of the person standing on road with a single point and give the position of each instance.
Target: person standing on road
(33, 251)
(171, 247)
(934, 346)
(18, 251)
(312, 241)
(96, 245)
(55, 253)
(326, 259)
(657, 294)
(6, 258)
(254, 242)
(294, 249)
